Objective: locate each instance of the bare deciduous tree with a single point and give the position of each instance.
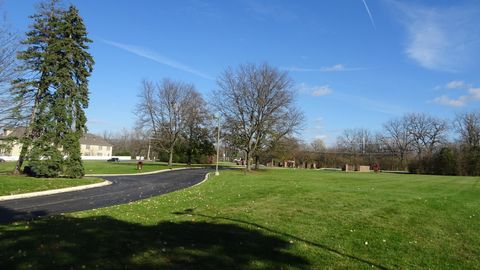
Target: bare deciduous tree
(427, 132)
(318, 145)
(397, 139)
(356, 141)
(468, 127)
(10, 110)
(257, 106)
(164, 110)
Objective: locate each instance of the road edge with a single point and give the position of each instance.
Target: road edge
(207, 176)
(144, 173)
(83, 187)
(53, 191)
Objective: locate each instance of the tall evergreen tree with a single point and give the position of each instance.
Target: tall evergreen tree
(58, 53)
(71, 96)
(37, 65)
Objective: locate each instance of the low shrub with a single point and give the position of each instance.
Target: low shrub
(43, 168)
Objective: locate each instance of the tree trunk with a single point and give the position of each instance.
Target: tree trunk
(257, 162)
(28, 131)
(21, 158)
(402, 162)
(189, 157)
(28, 136)
(170, 159)
(247, 161)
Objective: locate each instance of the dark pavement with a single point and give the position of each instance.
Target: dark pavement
(123, 189)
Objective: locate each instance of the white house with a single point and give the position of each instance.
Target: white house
(91, 146)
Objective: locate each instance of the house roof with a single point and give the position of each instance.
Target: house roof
(91, 139)
(88, 138)
(17, 132)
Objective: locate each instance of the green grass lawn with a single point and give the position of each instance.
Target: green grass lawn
(96, 167)
(104, 167)
(10, 185)
(7, 167)
(290, 219)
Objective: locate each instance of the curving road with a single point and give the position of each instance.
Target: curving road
(123, 189)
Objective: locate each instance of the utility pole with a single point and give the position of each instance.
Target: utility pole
(148, 151)
(363, 144)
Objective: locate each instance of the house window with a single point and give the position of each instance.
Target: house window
(87, 146)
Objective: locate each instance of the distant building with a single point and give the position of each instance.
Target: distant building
(9, 147)
(91, 146)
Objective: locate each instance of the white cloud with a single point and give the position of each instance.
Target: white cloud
(316, 91)
(322, 91)
(440, 38)
(334, 68)
(452, 102)
(455, 85)
(152, 55)
(337, 67)
(472, 94)
(322, 137)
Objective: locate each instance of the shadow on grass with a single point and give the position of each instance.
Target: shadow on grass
(106, 243)
(8, 215)
(318, 245)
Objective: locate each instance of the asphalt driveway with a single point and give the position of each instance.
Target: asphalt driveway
(123, 189)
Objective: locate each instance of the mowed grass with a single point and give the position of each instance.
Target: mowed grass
(272, 219)
(7, 167)
(10, 185)
(104, 167)
(123, 167)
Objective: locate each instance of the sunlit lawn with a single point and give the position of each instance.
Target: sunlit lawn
(6, 167)
(10, 185)
(104, 167)
(99, 167)
(267, 220)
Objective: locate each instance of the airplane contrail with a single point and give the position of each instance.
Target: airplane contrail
(369, 13)
(152, 55)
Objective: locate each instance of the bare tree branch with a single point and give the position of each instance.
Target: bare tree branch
(166, 109)
(257, 105)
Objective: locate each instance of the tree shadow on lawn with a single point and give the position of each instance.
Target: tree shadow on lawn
(311, 243)
(8, 215)
(104, 243)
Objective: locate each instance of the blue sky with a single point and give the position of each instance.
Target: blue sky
(355, 63)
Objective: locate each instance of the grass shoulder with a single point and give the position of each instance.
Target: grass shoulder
(11, 185)
(104, 167)
(125, 167)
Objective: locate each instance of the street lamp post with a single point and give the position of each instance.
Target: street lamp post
(148, 152)
(218, 146)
